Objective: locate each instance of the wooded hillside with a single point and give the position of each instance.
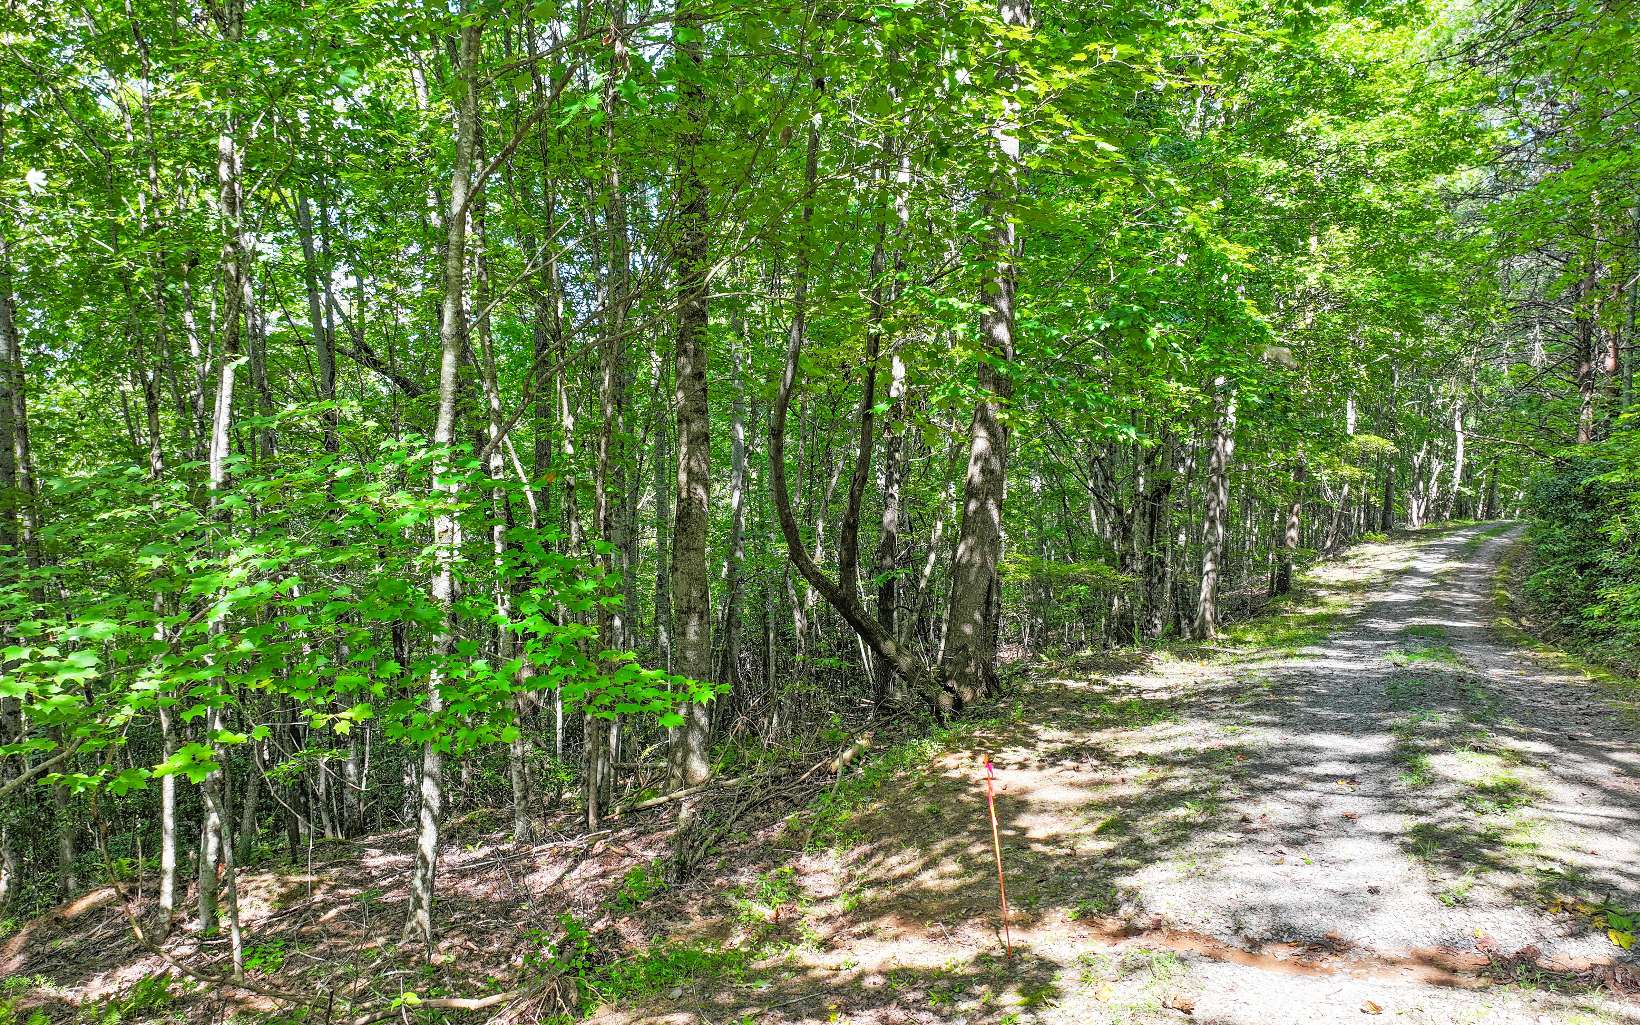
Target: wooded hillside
(407, 409)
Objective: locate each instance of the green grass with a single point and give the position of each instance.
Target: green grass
(1287, 632)
(641, 882)
(1473, 544)
(1133, 713)
(1412, 749)
(572, 954)
(1498, 795)
(1419, 654)
(1415, 772)
(1131, 986)
(1429, 631)
(1102, 901)
(831, 818)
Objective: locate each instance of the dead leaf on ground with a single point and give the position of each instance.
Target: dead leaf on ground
(1371, 1007)
(1181, 1003)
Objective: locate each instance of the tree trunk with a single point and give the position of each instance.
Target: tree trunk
(1290, 536)
(1154, 557)
(68, 877)
(250, 805)
(1583, 356)
(11, 385)
(167, 827)
(845, 602)
(216, 843)
(664, 469)
(418, 924)
(218, 835)
(888, 537)
(728, 669)
(691, 600)
(1386, 506)
(319, 301)
(1218, 505)
(1454, 498)
(609, 473)
(969, 651)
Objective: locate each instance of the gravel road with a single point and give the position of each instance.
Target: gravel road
(1382, 802)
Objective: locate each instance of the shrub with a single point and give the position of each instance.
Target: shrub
(1584, 584)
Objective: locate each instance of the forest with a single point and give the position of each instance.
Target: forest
(478, 430)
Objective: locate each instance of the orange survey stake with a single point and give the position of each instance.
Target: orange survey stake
(996, 845)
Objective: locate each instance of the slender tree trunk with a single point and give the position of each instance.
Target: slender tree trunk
(1386, 505)
(888, 537)
(217, 844)
(319, 300)
(1154, 558)
(418, 924)
(1454, 497)
(11, 385)
(207, 909)
(1290, 536)
(610, 472)
(846, 602)
(256, 337)
(728, 668)
(1583, 370)
(68, 877)
(665, 468)
(250, 805)
(167, 827)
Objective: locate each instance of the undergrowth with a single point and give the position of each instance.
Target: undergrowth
(831, 819)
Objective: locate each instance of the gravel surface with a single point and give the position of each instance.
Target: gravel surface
(1417, 781)
(1377, 803)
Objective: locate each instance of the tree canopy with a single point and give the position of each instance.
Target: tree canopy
(408, 408)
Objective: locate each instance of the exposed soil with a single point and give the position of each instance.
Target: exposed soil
(1375, 803)
(1392, 810)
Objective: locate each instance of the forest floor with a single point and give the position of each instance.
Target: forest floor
(1378, 798)
(1375, 801)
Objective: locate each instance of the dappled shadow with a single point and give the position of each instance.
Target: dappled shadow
(1323, 809)
(329, 926)
(1251, 808)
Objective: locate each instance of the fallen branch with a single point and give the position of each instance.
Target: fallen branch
(529, 852)
(678, 795)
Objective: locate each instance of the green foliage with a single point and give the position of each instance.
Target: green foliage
(769, 894)
(140, 1003)
(641, 882)
(1436, 652)
(595, 977)
(11, 990)
(259, 614)
(1133, 713)
(1584, 579)
(1285, 210)
(266, 957)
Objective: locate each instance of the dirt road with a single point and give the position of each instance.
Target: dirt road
(1377, 804)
